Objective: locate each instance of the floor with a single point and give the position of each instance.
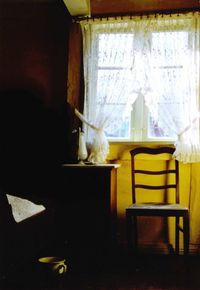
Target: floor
(122, 271)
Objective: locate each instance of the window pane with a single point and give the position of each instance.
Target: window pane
(115, 82)
(170, 58)
(113, 94)
(169, 48)
(154, 131)
(113, 86)
(115, 50)
(120, 126)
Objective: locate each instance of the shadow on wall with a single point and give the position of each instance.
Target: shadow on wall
(35, 140)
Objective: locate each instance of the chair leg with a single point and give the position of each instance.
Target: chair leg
(131, 225)
(177, 236)
(129, 230)
(135, 233)
(186, 235)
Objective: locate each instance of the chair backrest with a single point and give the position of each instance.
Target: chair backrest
(154, 170)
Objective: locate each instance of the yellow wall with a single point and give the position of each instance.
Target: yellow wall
(119, 153)
(151, 229)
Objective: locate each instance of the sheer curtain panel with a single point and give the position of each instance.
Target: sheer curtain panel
(151, 57)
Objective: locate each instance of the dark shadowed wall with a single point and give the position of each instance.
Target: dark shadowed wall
(34, 48)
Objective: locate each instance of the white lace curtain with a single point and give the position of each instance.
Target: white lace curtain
(171, 95)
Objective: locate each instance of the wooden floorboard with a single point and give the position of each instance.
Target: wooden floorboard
(119, 271)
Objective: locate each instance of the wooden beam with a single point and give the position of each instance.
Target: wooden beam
(78, 7)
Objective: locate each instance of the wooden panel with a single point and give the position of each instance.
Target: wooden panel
(95, 213)
(138, 6)
(74, 81)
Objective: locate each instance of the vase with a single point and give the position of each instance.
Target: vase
(82, 150)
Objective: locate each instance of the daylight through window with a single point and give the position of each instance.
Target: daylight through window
(141, 79)
(169, 58)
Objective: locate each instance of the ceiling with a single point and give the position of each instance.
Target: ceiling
(109, 7)
(122, 7)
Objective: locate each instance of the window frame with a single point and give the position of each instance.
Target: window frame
(141, 135)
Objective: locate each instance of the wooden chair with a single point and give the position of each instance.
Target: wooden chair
(144, 181)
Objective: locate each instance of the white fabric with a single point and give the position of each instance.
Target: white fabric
(171, 94)
(99, 147)
(22, 208)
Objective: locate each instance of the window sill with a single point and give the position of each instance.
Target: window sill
(120, 150)
(151, 142)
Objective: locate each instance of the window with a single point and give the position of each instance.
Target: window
(113, 72)
(141, 77)
(136, 122)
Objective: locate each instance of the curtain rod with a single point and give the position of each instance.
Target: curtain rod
(141, 14)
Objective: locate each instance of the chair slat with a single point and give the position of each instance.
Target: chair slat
(155, 172)
(156, 187)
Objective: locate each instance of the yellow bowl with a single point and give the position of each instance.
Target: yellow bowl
(55, 264)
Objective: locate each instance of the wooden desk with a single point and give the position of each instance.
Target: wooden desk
(96, 209)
